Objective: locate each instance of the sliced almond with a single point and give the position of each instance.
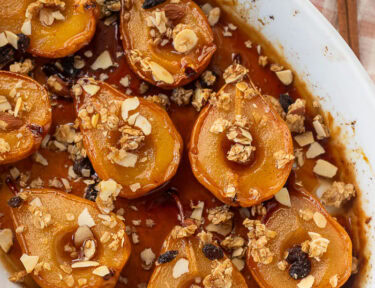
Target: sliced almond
(304, 139)
(283, 197)
(91, 89)
(285, 76)
(143, 124)
(6, 239)
(160, 73)
(239, 263)
(127, 105)
(3, 39)
(185, 41)
(82, 234)
(180, 268)
(103, 61)
(128, 160)
(86, 219)
(85, 264)
(320, 220)
(29, 262)
(26, 27)
(213, 16)
(307, 282)
(12, 39)
(101, 271)
(325, 169)
(134, 187)
(198, 211)
(314, 150)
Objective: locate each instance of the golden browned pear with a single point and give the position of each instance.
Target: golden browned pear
(187, 261)
(128, 139)
(56, 28)
(25, 116)
(318, 247)
(240, 148)
(167, 44)
(66, 241)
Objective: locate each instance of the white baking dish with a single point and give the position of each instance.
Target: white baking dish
(331, 71)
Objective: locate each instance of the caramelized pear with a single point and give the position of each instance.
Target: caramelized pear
(166, 43)
(128, 139)
(319, 249)
(67, 242)
(184, 261)
(25, 116)
(240, 148)
(56, 28)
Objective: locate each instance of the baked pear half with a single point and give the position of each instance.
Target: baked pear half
(57, 28)
(128, 139)
(25, 116)
(167, 43)
(240, 148)
(309, 248)
(67, 242)
(187, 260)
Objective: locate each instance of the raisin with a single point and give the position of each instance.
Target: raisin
(7, 55)
(15, 202)
(285, 101)
(23, 42)
(151, 3)
(236, 58)
(190, 72)
(83, 164)
(212, 252)
(68, 67)
(91, 193)
(300, 269)
(296, 254)
(35, 129)
(167, 256)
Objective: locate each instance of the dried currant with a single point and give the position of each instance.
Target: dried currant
(237, 58)
(7, 55)
(285, 101)
(23, 42)
(212, 252)
(15, 202)
(151, 3)
(300, 269)
(91, 193)
(300, 263)
(296, 254)
(167, 256)
(68, 67)
(83, 164)
(190, 72)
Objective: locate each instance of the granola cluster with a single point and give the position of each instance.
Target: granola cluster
(259, 236)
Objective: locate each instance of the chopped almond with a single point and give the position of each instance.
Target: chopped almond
(304, 139)
(325, 169)
(314, 150)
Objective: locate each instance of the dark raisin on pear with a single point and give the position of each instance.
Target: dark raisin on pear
(148, 4)
(285, 101)
(167, 256)
(212, 252)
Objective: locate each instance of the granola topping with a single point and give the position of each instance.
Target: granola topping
(338, 193)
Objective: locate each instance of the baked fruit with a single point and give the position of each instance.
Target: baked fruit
(56, 28)
(308, 246)
(166, 43)
(240, 148)
(67, 242)
(25, 116)
(187, 260)
(128, 139)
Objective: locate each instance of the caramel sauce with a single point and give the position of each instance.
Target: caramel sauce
(159, 205)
